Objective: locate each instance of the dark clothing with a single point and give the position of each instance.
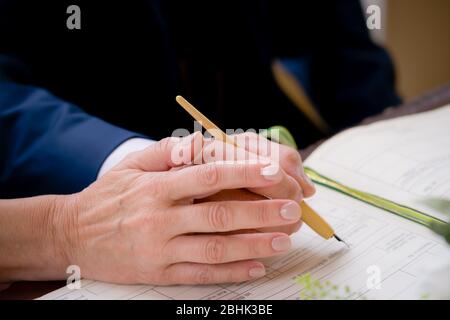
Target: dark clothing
(131, 58)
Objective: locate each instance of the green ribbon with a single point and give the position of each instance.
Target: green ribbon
(382, 203)
(286, 138)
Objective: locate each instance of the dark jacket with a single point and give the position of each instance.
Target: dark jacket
(131, 58)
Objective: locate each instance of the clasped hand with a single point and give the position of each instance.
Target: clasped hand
(150, 220)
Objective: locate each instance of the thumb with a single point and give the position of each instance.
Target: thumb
(165, 154)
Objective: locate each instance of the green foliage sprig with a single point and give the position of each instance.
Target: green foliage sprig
(282, 135)
(314, 289)
(441, 205)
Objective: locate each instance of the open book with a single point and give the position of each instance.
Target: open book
(405, 160)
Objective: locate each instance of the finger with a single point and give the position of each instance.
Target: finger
(287, 229)
(291, 162)
(194, 273)
(233, 194)
(206, 179)
(289, 159)
(216, 150)
(165, 154)
(288, 188)
(235, 215)
(218, 249)
(256, 144)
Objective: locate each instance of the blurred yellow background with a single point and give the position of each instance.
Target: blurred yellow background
(417, 35)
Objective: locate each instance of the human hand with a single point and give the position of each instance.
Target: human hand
(139, 223)
(295, 186)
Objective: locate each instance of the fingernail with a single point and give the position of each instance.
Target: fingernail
(299, 197)
(257, 272)
(308, 180)
(282, 243)
(290, 211)
(270, 172)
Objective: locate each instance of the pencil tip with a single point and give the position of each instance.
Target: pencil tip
(340, 239)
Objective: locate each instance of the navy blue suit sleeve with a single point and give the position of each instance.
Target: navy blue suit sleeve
(49, 146)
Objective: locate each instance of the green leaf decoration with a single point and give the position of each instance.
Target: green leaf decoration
(443, 230)
(441, 205)
(314, 289)
(281, 135)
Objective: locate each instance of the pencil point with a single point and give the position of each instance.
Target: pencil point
(340, 240)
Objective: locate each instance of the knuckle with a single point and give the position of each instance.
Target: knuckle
(155, 221)
(229, 276)
(262, 214)
(245, 171)
(158, 186)
(256, 248)
(163, 144)
(208, 175)
(292, 157)
(293, 190)
(166, 277)
(203, 275)
(214, 250)
(152, 222)
(219, 217)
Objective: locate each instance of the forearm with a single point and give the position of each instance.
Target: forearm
(30, 239)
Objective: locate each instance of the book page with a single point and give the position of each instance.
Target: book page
(383, 246)
(405, 160)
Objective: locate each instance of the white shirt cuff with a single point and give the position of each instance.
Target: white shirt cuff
(127, 147)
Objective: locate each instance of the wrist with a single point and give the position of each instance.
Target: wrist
(62, 232)
(30, 242)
